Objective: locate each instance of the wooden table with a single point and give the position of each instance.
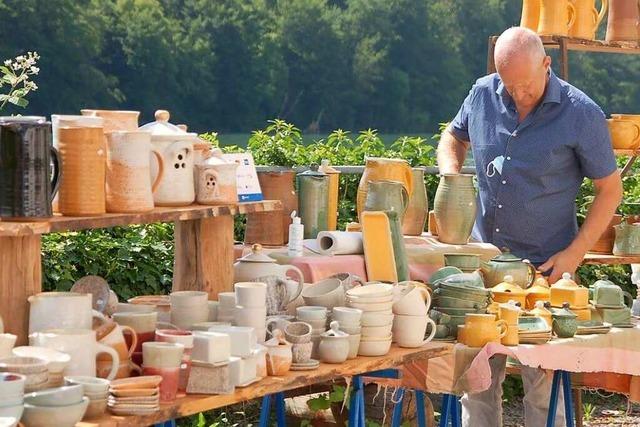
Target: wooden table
(203, 254)
(193, 404)
(593, 258)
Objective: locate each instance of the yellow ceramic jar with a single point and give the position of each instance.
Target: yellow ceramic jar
(566, 290)
(507, 291)
(538, 292)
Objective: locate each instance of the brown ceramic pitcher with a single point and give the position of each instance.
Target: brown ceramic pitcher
(624, 21)
(556, 16)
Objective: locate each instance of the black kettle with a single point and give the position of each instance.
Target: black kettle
(29, 168)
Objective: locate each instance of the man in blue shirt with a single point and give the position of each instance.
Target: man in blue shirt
(534, 139)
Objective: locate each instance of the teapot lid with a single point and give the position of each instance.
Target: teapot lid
(161, 127)
(506, 256)
(603, 281)
(564, 312)
(566, 282)
(313, 171)
(257, 255)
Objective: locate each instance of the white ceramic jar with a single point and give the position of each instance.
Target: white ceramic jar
(65, 310)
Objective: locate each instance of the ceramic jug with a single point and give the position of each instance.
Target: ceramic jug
(128, 185)
(588, 18)
(386, 196)
(334, 188)
(481, 329)
(257, 264)
(216, 182)
(455, 208)
(627, 240)
(115, 119)
(604, 244)
(177, 186)
(27, 181)
(522, 271)
(415, 216)
(625, 133)
(111, 335)
(313, 201)
(278, 296)
(530, 14)
(81, 345)
(378, 169)
(623, 24)
(83, 155)
(64, 120)
(556, 17)
(61, 310)
(272, 228)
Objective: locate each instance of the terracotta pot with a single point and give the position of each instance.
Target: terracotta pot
(334, 190)
(416, 215)
(83, 155)
(604, 244)
(272, 228)
(115, 120)
(588, 18)
(624, 21)
(530, 14)
(377, 169)
(129, 187)
(556, 16)
(455, 208)
(625, 133)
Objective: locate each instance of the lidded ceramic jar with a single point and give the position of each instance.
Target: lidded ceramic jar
(216, 181)
(334, 345)
(565, 323)
(606, 293)
(507, 291)
(566, 290)
(176, 186)
(538, 292)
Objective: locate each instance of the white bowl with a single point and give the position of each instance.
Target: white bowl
(57, 359)
(370, 300)
(376, 331)
(12, 411)
(59, 396)
(351, 331)
(326, 293)
(96, 408)
(371, 291)
(374, 348)
(8, 421)
(376, 319)
(376, 306)
(59, 416)
(11, 385)
(346, 314)
(308, 313)
(89, 384)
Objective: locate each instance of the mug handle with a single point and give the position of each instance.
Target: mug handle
(636, 139)
(134, 338)
(603, 9)
(57, 173)
(135, 367)
(433, 331)
(300, 282)
(156, 183)
(572, 14)
(115, 359)
(270, 322)
(427, 297)
(627, 296)
(502, 323)
(531, 276)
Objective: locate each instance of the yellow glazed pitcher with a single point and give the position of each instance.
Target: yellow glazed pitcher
(556, 17)
(588, 18)
(530, 14)
(625, 133)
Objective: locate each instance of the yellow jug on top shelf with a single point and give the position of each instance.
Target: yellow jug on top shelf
(530, 14)
(539, 291)
(508, 290)
(588, 18)
(556, 16)
(566, 290)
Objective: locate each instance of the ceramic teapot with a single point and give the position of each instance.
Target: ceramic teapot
(494, 271)
(176, 187)
(606, 293)
(258, 264)
(565, 323)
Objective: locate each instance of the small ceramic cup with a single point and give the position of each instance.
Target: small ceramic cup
(251, 294)
(7, 341)
(164, 359)
(186, 339)
(410, 331)
(302, 352)
(11, 386)
(144, 323)
(311, 312)
(298, 332)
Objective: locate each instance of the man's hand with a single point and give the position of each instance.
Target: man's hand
(566, 261)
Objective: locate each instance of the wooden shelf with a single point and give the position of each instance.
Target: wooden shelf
(193, 404)
(608, 259)
(621, 152)
(69, 223)
(584, 45)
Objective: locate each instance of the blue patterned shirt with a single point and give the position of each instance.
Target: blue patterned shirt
(529, 173)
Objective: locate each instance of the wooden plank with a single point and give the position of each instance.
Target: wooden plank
(491, 63)
(20, 277)
(584, 45)
(66, 223)
(204, 255)
(593, 258)
(193, 404)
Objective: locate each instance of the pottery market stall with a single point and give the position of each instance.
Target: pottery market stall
(193, 404)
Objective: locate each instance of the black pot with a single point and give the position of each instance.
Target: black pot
(29, 168)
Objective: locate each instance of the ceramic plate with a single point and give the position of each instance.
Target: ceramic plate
(133, 411)
(443, 273)
(148, 381)
(624, 325)
(532, 324)
(612, 307)
(136, 399)
(536, 341)
(307, 366)
(134, 392)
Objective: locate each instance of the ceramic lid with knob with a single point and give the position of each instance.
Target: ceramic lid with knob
(508, 286)
(334, 331)
(257, 255)
(506, 256)
(162, 129)
(563, 312)
(566, 282)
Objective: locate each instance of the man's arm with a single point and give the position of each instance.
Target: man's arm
(451, 153)
(608, 197)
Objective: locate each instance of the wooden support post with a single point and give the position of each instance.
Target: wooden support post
(20, 277)
(204, 255)
(577, 406)
(564, 60)
(491, 64)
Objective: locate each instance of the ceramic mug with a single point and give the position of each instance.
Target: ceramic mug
(113, 337)
(251, 294)
(61, 310)
(410, 331)
(511, 338)
(480, 336)
(144, 324)
(509, 314)
(164, 359)
(416, 302)
(186, 339)
(81, 345)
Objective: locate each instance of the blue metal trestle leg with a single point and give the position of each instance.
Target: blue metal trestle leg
(170, 423)
(450, 411)
(356, 407)
(558, 378)
(398, 397)
(265, 410)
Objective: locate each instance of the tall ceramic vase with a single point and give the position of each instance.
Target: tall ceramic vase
(313, 201)
(387, 195)
(588, 18)
(416, 215)
(556, 16)
(530, 14)
(624, 21)
(399, 250)
(379, 169)
(455, 208)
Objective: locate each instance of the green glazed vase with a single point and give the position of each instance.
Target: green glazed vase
(455, 208)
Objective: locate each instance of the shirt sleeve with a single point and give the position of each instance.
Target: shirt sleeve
(594, 149)
(460, 124)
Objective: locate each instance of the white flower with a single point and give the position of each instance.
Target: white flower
(35, 70)
(20, 58)
(7, 62)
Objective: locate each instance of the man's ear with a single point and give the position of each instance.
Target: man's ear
(547, 62)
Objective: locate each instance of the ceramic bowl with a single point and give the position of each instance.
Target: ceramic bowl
(450, 302)
(312, 313)
(326, 293)
(23, 365)
(60, 396)
(11, 385)
(90, 384)
(97, 396)
(96, 408)
(347, 324)
(371, 291)
(351, 331)
(376, 319)
(57, 359)
(354, 344)
(442, 274)
(184, 299)
(59, 416)
(346, 314)
(298, 332)
(460, 311)
(14, 411)
(376, 331)
(370, 300)
(374, 348)
(8, 421)
(376, 306)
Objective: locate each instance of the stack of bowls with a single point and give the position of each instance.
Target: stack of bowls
(94, 389)
(226, 307)
(61, 407)
(11, 395)
(57, 361)
(189, 307)
(376, 302)
(326, 293)
(33, 368)
(251, 307)
(315, 316)
(349, 322)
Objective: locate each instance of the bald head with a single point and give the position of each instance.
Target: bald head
(518, 44)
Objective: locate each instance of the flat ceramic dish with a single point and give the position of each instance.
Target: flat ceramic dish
(532, 324)
(378, 247)
(136, 399)
(135, 392)
(442, 274)
(133, 411)
(148, 381)
(307, 366)
(611, 307)
(535, 341)
(624, 325)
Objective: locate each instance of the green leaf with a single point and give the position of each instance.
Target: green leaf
(319, 403)
(20, 102)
